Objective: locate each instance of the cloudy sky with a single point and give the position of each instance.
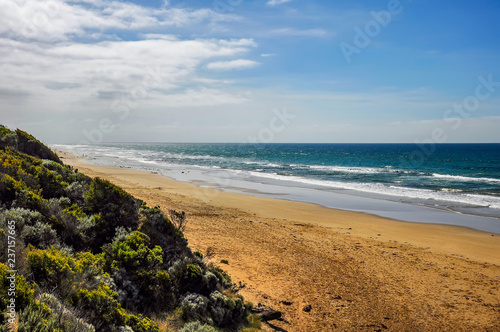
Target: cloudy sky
(251, 70)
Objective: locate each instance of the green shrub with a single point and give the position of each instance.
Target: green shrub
(222, 276)
(31, 200)
(187, 277)
(140, 324)
(216, 309)
(227, 311)
(7, 190)
(21, 217)
(40, 319)
(100, 307)
(253, 323)
(50, 267)
(163, 233)
(74, 227)
(103, 310)
(66, 314)
(31, 146)
(76, 192)
(192, 272)
(133, 253)
(115, 207)
(146, 270)
(7, 138)
(66, 172)
(197, 327)
(136, 267)
(195, 308)
(24, 291)
(51, 183)
(34, 318)
(40, 235)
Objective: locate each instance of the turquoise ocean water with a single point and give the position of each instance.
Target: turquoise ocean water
(462, 179)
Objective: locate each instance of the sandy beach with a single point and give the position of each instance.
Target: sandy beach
(329, 269)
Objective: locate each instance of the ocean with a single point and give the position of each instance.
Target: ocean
(455, 184)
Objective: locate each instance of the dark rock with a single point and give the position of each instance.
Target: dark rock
(260, 308)
(286, 302)
(270, 315)
(378, 327)
(307, 308)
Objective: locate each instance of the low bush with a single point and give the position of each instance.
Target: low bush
(24, 291)
(51, 268)
(40, 235)
(162, 232)
(40, 319)
(90, 257)
(31, 146)
(136, 267)
(7, 190)
(216, 309)
(115, 208)
(20, 217)
(197, 327)
(76, 192)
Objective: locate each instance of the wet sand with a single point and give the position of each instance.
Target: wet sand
(356, 271)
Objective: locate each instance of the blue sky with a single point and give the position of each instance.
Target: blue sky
(239, 71)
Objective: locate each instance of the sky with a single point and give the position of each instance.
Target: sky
(268, 71)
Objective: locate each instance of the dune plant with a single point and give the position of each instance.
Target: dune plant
(91, 257)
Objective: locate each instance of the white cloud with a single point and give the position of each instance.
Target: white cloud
(203, 97)
(234, 64)
(39, 47)
(267, 55)
(109, 68)
(276, 2)
(58, 20)
(69, 62)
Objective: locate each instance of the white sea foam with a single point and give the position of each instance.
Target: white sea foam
(166, 160)
(133, 154)
(144, 161)
(363, 170)
(464, 178)
(451, 190)
(397, 191)
(260, 163)
(343, 169)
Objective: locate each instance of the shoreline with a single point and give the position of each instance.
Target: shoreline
(402, 208)
(355, 270)
(367, 225)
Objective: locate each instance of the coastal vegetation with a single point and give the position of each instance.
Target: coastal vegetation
(89, 256)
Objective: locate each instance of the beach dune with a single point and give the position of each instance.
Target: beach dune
(327, 269)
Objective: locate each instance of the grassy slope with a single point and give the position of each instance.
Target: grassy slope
(92, 257)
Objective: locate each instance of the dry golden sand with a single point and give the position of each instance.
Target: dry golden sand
(358, 272)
